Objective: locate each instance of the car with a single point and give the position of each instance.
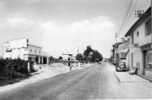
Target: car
(122, 67)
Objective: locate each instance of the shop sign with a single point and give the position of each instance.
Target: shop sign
(146, 47)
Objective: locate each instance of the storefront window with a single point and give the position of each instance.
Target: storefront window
(122, 55)
(149, 60)
(8, 50)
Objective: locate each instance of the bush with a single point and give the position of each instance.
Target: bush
(3, 68)
(14, 68)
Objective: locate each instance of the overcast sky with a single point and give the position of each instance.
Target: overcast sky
(63, 26)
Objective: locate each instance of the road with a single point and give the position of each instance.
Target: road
(95, 82)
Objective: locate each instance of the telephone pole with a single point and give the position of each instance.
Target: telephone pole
(116, 37)
(151, 14)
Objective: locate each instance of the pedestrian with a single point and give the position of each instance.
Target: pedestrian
(69, 64)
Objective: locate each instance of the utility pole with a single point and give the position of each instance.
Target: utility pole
(151, 15)
(116, 37)
(77, 50)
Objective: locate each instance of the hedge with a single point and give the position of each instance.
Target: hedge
(13, 68)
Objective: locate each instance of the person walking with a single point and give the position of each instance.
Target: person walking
(69, 64)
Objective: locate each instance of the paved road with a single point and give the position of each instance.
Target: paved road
(94, 82)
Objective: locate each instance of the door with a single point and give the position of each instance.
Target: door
(132, 59)
(144, 62)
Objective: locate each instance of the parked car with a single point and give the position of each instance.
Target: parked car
(122, 67)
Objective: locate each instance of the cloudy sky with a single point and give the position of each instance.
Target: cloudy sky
(63, 26)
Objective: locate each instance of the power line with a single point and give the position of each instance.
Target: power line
(131, 6)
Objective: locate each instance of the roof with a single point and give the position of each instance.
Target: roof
(117, 44)
(139, 21)
(41, 54)
(34, 45)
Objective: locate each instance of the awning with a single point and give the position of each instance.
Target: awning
(124, 53)
(146, 46)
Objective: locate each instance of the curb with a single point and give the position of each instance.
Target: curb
(144, 77)
(117, 77)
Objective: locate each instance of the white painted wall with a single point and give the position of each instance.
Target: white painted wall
(34, 50)
(142, 39)
(19, 49)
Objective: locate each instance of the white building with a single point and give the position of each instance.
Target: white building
(140, 36)
(23, 49)
(67, 56)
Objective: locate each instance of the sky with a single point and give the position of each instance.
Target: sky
(66, 26)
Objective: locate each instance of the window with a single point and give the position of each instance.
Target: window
(137, 34)
(30, 50)
(149, 60)
(148, 27)
(8, 50)
(123, 55)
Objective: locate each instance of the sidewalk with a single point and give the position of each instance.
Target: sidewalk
(126, 77)
(147, 76)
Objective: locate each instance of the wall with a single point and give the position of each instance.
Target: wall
(34, 50)
(138, 59)
(142, 39)
(20, 49)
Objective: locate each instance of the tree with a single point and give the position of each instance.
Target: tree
(87, 53)
(60, 58)
(51, 58)
(91, 55)
(79, 57)
(96, 56)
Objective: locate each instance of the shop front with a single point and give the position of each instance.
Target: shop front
(147, 59)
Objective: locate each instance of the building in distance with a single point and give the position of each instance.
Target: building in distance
(23, 49)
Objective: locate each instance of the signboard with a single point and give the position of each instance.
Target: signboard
(147, 47)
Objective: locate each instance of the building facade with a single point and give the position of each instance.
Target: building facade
(115, 54)
(140, 44)
(23, 49)
(120, 52)
(123, 50)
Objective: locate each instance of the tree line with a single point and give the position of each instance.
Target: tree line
(89, 55)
